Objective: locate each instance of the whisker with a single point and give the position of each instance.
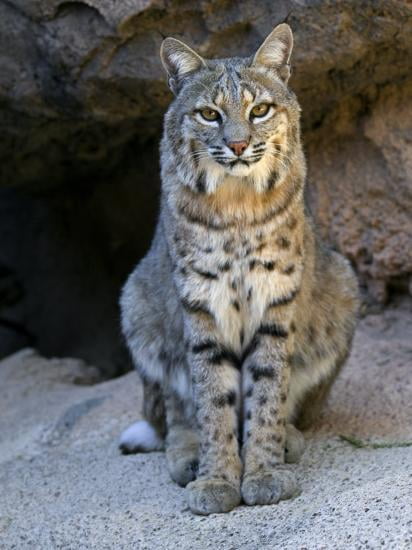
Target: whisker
(198, 153)
(278, 153)
(282, 158)
(285, 161)
(283, 165)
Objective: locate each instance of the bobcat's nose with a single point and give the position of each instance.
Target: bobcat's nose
(238, 147)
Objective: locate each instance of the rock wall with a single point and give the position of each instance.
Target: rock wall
(82, 94)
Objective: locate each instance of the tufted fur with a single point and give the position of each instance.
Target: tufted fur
(238, 318)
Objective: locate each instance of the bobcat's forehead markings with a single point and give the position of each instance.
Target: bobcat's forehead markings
(248, 96)
(238, 319)
(221, 96)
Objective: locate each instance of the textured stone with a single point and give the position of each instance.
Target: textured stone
(77, 77)
(82, 94)
(66, 485)
(361, 170)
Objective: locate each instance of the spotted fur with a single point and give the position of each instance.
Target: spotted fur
(238, 318)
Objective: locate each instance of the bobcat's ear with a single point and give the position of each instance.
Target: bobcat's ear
(275, 51)
(179, 61)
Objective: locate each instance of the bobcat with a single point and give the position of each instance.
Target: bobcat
(238, 319)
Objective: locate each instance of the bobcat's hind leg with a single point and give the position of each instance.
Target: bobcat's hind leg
(148, 434)
(312, 404)
(182, 443)
(295, 444)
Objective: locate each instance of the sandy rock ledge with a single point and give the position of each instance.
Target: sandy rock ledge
(65, 485)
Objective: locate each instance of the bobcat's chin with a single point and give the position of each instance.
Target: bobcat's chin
(239, 169)
(252, 174)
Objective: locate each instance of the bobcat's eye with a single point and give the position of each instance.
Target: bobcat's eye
(209, 114)
(260, 110)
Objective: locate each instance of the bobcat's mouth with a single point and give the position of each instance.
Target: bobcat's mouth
(231, 163)
(236, 166)
(245, 162)
(222, 156)
(238, 161)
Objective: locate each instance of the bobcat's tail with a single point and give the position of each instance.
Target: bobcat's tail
(140, 437)
(148, 434)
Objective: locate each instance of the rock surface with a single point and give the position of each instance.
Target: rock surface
(65, 485)
(82, 95)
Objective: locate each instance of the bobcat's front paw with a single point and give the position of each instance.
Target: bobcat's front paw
(212, 496)
(269, 487)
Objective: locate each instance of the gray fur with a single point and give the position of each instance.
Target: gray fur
(237, 313)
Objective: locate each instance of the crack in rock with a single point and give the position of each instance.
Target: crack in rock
(69, 419)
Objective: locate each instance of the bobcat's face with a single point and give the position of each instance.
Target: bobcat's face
(237, 126)
(232, 117)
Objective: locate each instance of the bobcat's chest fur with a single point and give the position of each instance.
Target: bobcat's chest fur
(238, 273)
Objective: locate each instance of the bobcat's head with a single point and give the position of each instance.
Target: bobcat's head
(231, 118)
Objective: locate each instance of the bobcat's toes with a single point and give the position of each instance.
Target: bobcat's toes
(269, 487)
(182, 464)
(295, 444)
(212, 496)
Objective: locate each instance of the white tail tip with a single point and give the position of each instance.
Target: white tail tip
(140, 437)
